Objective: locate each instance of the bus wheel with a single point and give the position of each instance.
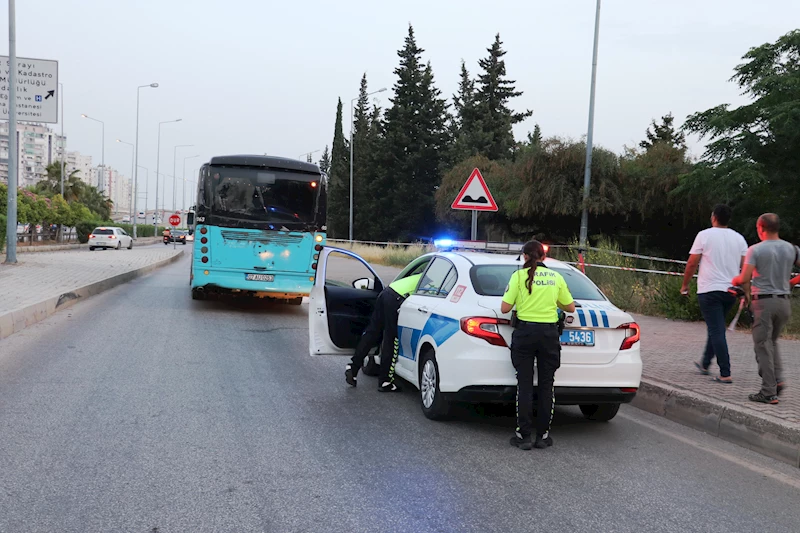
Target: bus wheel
(198, 294)
(295, 301)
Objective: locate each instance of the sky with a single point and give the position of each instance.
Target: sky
(249, 76)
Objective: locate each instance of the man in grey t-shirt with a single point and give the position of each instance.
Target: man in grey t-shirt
(769, 265)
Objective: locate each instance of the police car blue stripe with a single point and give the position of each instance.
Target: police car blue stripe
(582, 318)
(594, 318)
(604, 316)
(439, 327)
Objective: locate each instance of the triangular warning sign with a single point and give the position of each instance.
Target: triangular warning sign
(475, 195)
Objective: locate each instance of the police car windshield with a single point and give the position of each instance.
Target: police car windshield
(491, 280)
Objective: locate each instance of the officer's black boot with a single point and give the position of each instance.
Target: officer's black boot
(523, 443)
(350, 375)
(543, 442)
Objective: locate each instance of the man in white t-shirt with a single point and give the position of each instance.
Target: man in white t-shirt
(720, 251)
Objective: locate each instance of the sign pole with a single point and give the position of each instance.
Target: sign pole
(474, 232)
(13, 152)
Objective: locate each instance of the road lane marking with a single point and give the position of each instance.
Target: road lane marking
(753, 467)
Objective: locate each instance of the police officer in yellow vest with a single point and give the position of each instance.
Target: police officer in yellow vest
(383, 323)
(536, 292)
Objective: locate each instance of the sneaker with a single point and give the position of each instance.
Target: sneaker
(781, 386)
(523, 443)
(350, 376)
(543, 442)
(758, 397)
(389, 387)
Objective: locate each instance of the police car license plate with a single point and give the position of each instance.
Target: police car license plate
(259, 277)
(577, 337)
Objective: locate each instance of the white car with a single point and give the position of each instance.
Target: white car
(110, 237)
(126, 218)
(454, 341)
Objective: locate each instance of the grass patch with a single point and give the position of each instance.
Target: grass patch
(389, 255)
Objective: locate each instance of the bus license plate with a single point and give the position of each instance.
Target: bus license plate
(259, 277)
(577, 337)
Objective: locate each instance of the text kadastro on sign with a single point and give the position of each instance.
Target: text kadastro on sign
(475, 195)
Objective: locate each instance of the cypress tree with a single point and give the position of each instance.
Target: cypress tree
(339, 191)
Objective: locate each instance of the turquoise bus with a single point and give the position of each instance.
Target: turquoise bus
(258, 227)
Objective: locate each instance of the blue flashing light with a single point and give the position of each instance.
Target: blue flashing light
(443, 243)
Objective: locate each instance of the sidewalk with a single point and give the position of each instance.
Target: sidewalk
(673, 387)
(42, 283)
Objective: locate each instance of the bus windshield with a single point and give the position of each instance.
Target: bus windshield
(262, 195)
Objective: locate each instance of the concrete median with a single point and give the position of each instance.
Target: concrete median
(16, 320)
(755, 431)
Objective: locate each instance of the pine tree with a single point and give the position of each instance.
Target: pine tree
(493, 95)
(324, 163)
(664, 133)
(465, 126)
(339, 189)
(413, 149)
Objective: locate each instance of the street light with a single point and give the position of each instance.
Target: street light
(102, 180)
(63, 139)
(183, 197)
(174, 179)
(158, 161)
(146, 179)
(130, 185)
(587, 174)
(136, 157)
(308, 155)
(351, 157)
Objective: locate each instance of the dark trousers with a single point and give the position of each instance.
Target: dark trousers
(382, 325)
(715, 306)
(540, 343)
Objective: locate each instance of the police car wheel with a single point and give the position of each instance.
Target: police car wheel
(370, 367)
(435, 405)
(601, 413)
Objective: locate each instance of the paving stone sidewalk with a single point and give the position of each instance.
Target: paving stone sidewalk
(670, 348)
(37, 277)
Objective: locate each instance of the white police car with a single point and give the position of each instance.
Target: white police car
(454, 340)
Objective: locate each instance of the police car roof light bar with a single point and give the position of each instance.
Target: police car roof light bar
(479, 246)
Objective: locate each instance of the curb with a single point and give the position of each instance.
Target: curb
(62, 247)
(760, 433)
(19, 319)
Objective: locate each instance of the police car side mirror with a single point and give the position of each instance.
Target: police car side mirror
(364, 283)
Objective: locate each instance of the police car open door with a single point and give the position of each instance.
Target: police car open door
(341, 302)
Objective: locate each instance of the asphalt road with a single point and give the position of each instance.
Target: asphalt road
(141, 410)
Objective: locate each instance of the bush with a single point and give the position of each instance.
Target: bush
(84, 228)
(142, 230)
(398, 256)
(2, 232)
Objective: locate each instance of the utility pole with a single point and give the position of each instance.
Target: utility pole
(587, 176)
(13, 152)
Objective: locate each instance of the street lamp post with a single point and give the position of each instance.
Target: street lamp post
(130, 193)
(174, 173)
(102, 180)
(587, 175)
(183, 196)
(146, 179)
(351, 157)
(158, 162)
(13, 150)
(136, 159)
(307, 155)
(63, 140)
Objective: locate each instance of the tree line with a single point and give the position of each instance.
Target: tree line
(43, 205)
(410, 160)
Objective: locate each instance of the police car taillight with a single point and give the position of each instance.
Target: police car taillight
(632, 335)
(485, 328)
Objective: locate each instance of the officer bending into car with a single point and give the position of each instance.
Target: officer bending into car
(536, 292)
(383, 323)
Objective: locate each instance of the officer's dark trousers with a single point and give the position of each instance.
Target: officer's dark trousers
(534, 341)
(382, 324)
